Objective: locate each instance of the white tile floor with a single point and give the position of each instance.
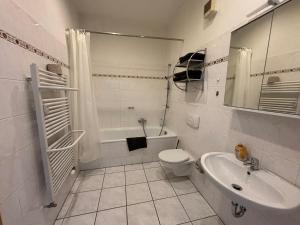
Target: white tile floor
(139, 194)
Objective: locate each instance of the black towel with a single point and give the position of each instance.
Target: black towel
(197, 56)
(193, 74)
(136, 143)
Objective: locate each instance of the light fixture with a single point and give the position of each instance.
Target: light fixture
(271, 3)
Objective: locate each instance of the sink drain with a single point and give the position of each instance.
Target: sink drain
(237, 187)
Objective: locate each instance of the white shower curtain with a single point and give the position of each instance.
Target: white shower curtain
(242, 78)
(84, 108)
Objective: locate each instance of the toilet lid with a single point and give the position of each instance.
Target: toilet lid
(173, 156)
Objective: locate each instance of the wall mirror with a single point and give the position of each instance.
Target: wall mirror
(264, 63)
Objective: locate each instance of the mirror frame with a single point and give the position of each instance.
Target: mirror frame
(271, 10)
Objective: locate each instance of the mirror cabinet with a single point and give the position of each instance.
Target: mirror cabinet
(264, 63)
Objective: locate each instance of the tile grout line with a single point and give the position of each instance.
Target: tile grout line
(152, 197)
(98, 205)
(180, 202)
(66, 215)
(126, 196)
(206, 200)
(99, 198)
(69, 193)
(125, 186)
(177, 195)
(206, 218)
(74, 193)
(132, 205)
(200, 220)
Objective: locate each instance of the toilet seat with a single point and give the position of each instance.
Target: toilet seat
(174, 156)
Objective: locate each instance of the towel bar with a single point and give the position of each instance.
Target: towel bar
(56, 137)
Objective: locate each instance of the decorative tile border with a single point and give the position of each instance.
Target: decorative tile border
(23, 44)
(230, 78)
(217, 61)
(289, 70)
(129, 76)
(272, 72)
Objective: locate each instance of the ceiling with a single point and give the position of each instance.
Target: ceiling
(157, 12)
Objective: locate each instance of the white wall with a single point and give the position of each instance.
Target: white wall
(110, 24)
(284, 51)
(54, 16)
(128, 56)
(22, 182)
(274, 140)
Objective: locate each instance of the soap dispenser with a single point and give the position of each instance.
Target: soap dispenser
(241, 152)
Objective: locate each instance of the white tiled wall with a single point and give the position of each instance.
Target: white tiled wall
(132, 57)
(274, 140)
(21, 177)
(115, 95)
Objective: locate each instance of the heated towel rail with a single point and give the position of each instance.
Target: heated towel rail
(57, 139)
(280, 97)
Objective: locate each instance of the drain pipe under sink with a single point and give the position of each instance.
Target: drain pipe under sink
(237, 210)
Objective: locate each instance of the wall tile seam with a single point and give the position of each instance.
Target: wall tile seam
(23, 148)
(14, 192)
(294, 182)
(13, 116)
(277, 155)
(280, 155)
(3, 78)
(25, 45)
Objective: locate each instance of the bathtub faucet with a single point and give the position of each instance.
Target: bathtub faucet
(142, 121)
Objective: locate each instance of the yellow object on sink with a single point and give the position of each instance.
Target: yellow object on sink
(241, 152)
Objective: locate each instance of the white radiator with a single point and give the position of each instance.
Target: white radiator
(280, 97)
(279, 105)
(281, 87)
(57, 139)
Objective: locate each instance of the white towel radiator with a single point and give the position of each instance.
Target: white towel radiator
(57, 139)
(280, 97)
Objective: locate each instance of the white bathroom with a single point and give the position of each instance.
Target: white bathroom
(148, 112)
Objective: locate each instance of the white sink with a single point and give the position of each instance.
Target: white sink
(261, 189)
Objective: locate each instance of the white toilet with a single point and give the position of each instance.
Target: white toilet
(177, 160)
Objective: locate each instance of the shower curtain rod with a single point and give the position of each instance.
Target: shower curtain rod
(239, 48)
(134, 35)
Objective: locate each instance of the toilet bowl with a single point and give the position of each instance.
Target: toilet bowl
(177, 160)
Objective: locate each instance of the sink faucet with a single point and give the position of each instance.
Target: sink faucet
(253, 162)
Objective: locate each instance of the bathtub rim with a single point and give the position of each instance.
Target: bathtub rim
(170, 134)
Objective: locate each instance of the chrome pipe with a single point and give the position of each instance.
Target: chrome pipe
(135, 35)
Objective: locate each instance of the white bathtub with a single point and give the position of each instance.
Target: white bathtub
(120, 134)
(114, 150)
